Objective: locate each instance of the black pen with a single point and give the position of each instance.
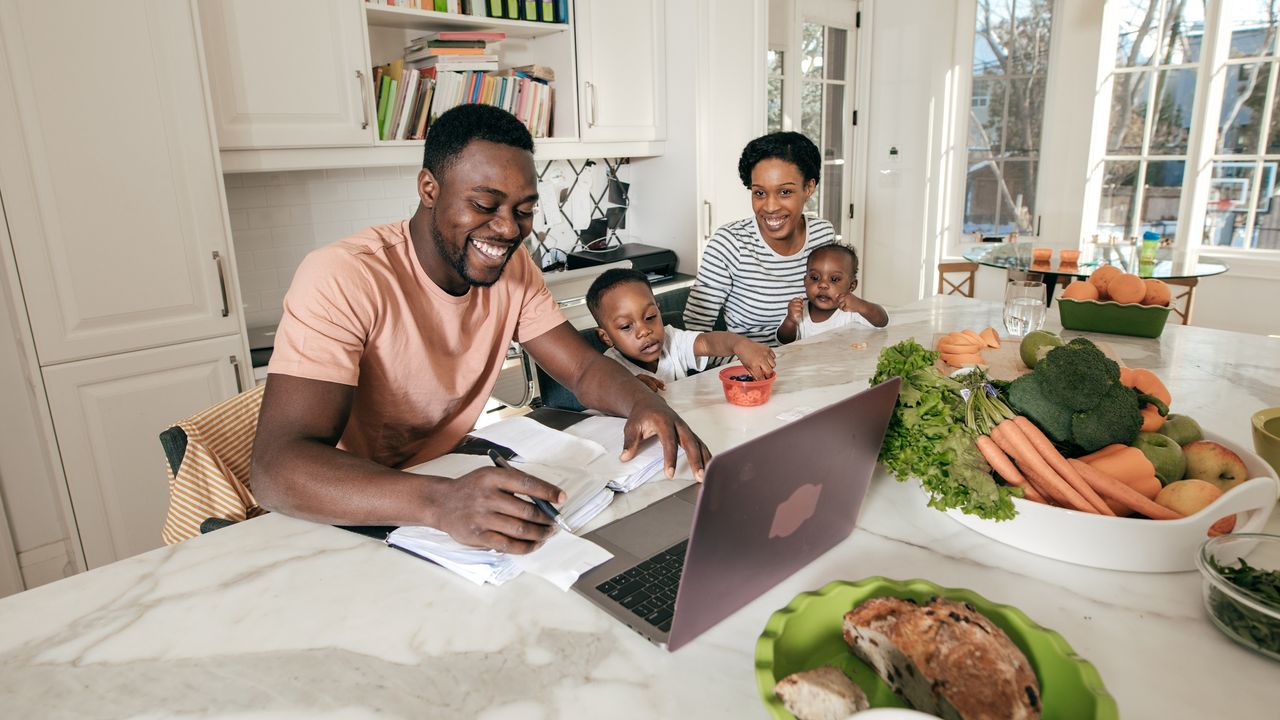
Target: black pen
(547, 508)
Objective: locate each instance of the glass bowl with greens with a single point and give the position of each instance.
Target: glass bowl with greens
(1241, 588)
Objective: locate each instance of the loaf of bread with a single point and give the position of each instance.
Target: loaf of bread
(823, 693)
(944, 658)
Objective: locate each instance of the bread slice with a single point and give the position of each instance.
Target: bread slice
(944, 658)
(823, 693)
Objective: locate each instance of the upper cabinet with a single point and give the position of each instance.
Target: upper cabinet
(621, 69)
(291, 79)
(110, 177)
(287, 73)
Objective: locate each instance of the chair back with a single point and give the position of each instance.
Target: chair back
(1180, 302)
(208, 458)
(961, 285)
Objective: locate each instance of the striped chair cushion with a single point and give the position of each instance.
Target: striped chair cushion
(213, 479)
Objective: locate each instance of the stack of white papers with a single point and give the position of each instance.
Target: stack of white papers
(479, 565)
(623, 476)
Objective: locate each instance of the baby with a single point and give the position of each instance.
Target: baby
(630, 324)
(829, 280)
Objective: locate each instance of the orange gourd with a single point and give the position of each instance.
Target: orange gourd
(1081, 290)
(1157, 292)
(1145, 381)
(1103, 277)
(1126, 288)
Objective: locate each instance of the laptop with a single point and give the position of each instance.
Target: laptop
(766, 509)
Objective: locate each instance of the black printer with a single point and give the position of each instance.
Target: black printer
(658, 263)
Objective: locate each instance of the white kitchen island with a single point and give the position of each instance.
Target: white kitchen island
(277, 617)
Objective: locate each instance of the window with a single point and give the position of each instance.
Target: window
(1006, 113)
(823, 61)
(1153, 89)
(773, 91)
(1157, 136)
(1240, 211)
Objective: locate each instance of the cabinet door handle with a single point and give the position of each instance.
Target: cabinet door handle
(235, 370)
(707, 204)
(591, 104)
(222, 283)
(364, 99)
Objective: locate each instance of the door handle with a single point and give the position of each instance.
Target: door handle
(235, 370)
(706, 204)
(222, 283)
(364, 99)
(591, 103)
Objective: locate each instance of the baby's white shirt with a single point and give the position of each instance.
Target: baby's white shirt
(676, 360)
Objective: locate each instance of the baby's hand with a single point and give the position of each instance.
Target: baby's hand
(850, 302)
(652, 382)
(795, 310)
(757, 358)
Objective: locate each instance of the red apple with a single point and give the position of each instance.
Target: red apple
(1213, 463)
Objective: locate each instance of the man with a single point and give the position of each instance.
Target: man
(391, 342)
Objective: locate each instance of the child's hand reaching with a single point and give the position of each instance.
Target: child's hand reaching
(652, 382)
(757, 358)
(795, 310)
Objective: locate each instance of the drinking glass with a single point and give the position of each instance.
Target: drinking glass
(1023, 307)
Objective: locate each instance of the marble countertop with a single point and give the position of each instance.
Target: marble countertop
(277, 617)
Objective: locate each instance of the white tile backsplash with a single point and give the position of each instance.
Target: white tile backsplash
(278, 217)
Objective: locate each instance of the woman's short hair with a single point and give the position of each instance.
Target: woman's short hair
(790, 146)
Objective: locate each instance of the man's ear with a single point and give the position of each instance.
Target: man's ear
(428, 188)
(604, 337)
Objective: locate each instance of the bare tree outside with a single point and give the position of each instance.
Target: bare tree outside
(1006, 114)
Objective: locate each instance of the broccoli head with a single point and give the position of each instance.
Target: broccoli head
(1115, 419)
(1029, 399)
(1077, 375)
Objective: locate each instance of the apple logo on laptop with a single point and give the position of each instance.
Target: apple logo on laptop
(795, 510)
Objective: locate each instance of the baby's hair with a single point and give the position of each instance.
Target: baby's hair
(839, 248)
(608, 280)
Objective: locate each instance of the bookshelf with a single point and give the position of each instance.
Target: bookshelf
(291, 79)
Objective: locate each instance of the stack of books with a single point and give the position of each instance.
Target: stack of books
(457, 7)
(552, 11)
(455, 51)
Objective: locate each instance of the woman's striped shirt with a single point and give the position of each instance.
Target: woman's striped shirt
(753, 284)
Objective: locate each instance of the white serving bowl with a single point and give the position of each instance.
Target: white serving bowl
(1134, 544)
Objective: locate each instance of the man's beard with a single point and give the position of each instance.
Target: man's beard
(458, 259)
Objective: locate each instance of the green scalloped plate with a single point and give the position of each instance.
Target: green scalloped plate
(807, 634)
(1112, 317)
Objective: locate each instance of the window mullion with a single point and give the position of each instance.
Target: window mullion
(1264, 130)
(1205, 118)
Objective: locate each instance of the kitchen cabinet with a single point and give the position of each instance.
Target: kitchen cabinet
(122, 268)
(287, 73)
(107, 415)
(278, 107)
(621, 69)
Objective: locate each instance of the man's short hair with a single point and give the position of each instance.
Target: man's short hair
(608, 280)
(839, 248)
(450, 134)
(790, 146)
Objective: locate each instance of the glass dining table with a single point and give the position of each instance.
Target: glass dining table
(1017, 257)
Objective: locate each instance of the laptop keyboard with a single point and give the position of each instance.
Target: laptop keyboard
(648, 590)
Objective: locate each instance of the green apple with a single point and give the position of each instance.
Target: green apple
(1164, 454)
(1035, 345)
(1213, 463)
(1182, 428)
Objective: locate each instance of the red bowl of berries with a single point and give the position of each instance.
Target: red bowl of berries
(740, 388)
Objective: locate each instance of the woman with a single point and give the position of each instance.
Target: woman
(753, 267)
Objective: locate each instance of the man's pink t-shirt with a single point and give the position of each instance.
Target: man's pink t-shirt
(362, 312)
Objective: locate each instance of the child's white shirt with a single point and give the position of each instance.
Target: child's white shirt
(839, 319)
(676, 360)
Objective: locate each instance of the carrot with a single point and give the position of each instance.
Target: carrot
(1114, 489)
(1012, 440)
(1103, 452)
(1005, 468)
(1060, 464)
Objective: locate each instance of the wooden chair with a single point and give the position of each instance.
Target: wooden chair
(963, 285)
(1182, 298)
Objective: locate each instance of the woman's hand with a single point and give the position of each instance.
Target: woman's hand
(651, 382)
(757, 358)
